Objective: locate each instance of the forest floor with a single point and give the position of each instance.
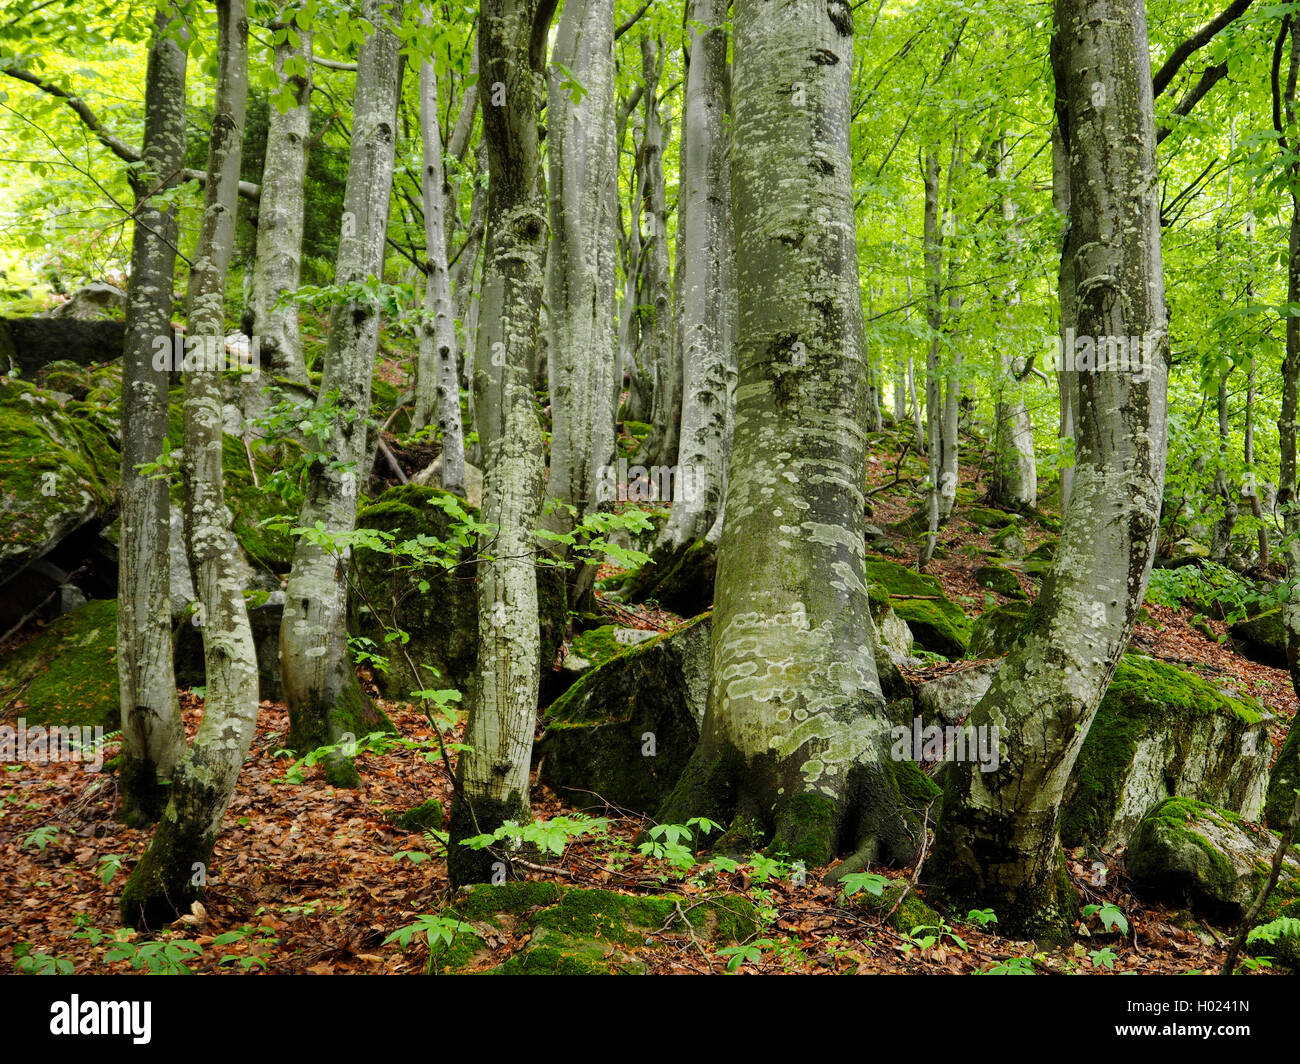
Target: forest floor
(310, 878)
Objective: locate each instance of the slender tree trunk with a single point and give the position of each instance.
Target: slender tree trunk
(656, 354)
(706, 236)
(933, 369)
(173, 871)
(280, 210)
(1222, 532)
(794, 743)
(1015, 472)
(1287, 502)
(998, 841)
(320, 686)
(581, 266)
(153, 736)
(492, 776)
(437, 379)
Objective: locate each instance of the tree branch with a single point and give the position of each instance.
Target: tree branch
(632, 19)
(1198, 40)
(114, 144)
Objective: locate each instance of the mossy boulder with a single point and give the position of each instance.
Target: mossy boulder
(596, 646)
(1262, 638)
(58, 471)
(427, 816)
(1000, 579)
(1162, 731)
(1189, 852)
(573, 931)
(678, 580)
(1283, 781)
(949, 699)
(68, 674)
(995, 631)
(1010, 540)
(626, 729)
(437, 607)
(936, 623)
(987, 517)
(892, 634)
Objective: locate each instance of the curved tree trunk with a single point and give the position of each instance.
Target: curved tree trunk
(705, 233)
(437, 378)
(492, 776)
(998, 841)
(173, 870)
(795, 744)
(280, 209)
(153, 736)
(320, 686)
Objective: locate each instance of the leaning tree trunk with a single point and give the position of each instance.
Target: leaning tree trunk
(172, 872)
(153, 736)
(581, 267)
(705, 233)
(998, 841)
(320, 686)
(437, 377)
(492, 775)
(280, 208)
(794, 743)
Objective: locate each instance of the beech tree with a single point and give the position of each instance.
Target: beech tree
(173, 870)
(325, 701)
(794, 744)
(492, 776)
(998, 841)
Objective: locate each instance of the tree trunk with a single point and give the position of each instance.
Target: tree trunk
(1066, 379)
(153, 736)
(581, 267)
(933, 372)
(280, 209)
(492, 776)
(794, 743)
(437, 378)
(656, 354)
(173, 871)
(705, 233)
(998, 841)
(320, 686)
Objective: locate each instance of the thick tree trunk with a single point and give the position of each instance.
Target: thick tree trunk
(492, 776)
(280, 209)
(437, 378)
(581, 267)
(320, 686)
(707, 239)
(173, 870)
(1067, 380)
(153, 736)
(998, 841)
(794, 743)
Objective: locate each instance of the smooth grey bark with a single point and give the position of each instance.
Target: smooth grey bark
(1285, 115)
(794, 744)
(320, 686)
(1067, 381)
(656, 354)
(278, 261)
(706, 238)
(934, 419)
(173, 870)
(492, 776)
(437, 378)
(153, 735)
(581, 268)
(998, 840)
(1014, 483)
